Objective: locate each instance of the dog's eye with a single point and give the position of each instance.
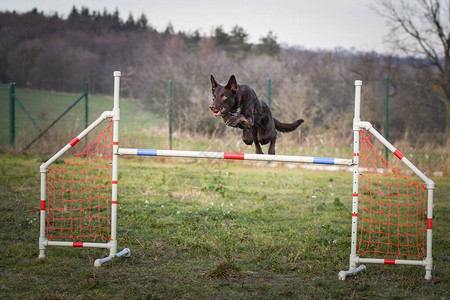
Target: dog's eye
(224, 97)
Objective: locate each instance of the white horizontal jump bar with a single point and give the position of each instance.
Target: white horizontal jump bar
(77, 244)
(240, 156)
(392, 261)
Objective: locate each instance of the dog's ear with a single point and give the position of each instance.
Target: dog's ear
(214, 83)
(232, 84)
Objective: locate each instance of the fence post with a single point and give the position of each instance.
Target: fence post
(12, 111)
(268, 92)
(170, 114)
(86, 107)
(386, 114)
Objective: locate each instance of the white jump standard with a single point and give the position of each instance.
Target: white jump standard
(68, 202)
(45, 222)
(355, 259)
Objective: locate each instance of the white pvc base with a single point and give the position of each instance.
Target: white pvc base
(343, 274)
(125, 252)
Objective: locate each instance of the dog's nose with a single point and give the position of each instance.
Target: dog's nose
(211, 107)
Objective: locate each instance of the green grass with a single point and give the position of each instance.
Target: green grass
(210, 230)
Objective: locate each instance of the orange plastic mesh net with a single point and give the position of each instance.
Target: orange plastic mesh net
(393, 209)
(78, 193)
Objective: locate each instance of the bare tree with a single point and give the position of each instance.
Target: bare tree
(420, 30)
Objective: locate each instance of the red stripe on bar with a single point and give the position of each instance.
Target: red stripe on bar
(74, 141)
(114, 182)
(77, 244)
(114, 202)
(398, 154)
(42, 204)
(115, 143)
(355, 194)
(355, 154)
(227, 155)
(354, 215)
(389, 261)
(429, 223)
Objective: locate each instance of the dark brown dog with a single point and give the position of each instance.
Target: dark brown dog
(239, 106)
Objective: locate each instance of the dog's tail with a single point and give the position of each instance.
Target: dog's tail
(287, 127)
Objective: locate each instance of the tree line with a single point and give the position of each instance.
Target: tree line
(53, 53)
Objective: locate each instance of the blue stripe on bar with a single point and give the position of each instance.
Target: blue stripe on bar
(147, 152)
(323, 160)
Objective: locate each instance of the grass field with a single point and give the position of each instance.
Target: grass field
(210, 230)
(201, 229)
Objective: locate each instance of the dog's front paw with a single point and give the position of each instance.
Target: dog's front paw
(238, 121)
(233, 121)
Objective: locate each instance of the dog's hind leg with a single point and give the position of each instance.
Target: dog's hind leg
(247, 136)
(254, 135)
(258, 149)
(272, 146)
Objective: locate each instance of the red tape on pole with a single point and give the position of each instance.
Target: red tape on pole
(233, 155)
(398, 154)
(74, 141)
(429, 223)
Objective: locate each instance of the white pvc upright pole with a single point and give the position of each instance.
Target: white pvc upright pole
(42, 236)
(429, 258)
(115, 163)
(356, 120)
(116, 119)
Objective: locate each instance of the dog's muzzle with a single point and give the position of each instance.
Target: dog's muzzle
(217, 113)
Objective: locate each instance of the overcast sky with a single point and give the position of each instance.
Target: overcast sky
(313, 24)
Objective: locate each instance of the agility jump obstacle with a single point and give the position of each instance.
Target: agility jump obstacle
(79, 197)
